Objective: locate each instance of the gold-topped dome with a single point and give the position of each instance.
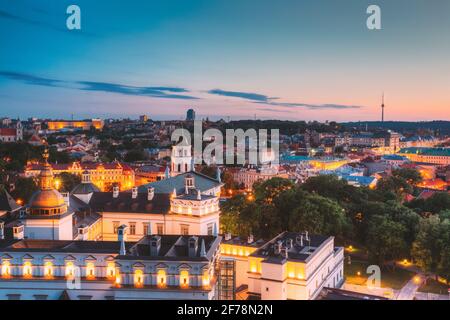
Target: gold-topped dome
(47, 200)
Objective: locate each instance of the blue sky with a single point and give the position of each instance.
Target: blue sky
(286, 59)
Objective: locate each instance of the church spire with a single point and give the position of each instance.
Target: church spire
(46, 175)
(382, 108)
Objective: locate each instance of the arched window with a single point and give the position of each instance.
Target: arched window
(6, 269)
(90, 270)
(161, 278)
(138, 279)
(70, 269)
(48, 270)
(27, 270)
(111, 270)
(184, 279)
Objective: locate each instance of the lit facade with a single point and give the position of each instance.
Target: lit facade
(291, 266)
(103, 175)
(85, 270)
(71, 124)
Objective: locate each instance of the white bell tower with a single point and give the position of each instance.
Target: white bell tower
(181, 160)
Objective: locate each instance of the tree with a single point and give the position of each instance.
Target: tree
(68, 181)
(24, 189)
(267, 190)
(424, 250)
(318, 215)
(398, 186)
(135, 155)
(385, 240)
(411, 176)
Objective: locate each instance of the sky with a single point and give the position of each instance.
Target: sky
(231, 59)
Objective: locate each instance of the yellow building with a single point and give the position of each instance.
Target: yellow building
(103, 175)
(73, 124)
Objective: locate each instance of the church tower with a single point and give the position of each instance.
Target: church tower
(181, 160)
(48, 216)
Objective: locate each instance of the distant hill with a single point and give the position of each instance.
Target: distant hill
(442, 126)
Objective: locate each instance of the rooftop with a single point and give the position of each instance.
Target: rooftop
(201, 181)
(174, 247)
(440, 152)
(301, 250)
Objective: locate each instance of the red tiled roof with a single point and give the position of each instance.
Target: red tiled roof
(7, 132)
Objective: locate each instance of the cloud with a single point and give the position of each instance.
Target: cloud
(243, 95)
(156, 92)
(271, 101)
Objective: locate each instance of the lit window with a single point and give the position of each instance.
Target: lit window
(118, 280)
(6, 269)
(90, 271)
(161, 278)
(70, 269)
(206, 279)
(111, 270)
(138, 279)
(48, 270)
(184, 279)
(27, 271)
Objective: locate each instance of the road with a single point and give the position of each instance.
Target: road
(409, 290)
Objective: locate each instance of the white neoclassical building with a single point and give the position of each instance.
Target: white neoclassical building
(156, 267)
(294, 266)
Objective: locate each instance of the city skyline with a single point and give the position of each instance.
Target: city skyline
(296, 60)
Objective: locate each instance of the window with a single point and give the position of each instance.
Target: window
(90, 270)
(70, 269)
(161, 278)
(184, 278)
(27, 271)
(132, 228)
(48, 270)
(184, 229)
(146, 230)
(111, 270)
(210, 229)
(116, 225)
(138, 279)
(159, 228)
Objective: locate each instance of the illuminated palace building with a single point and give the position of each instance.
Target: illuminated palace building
(75, 124)
(158, 241)
(102, 175)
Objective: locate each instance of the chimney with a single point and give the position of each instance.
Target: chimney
(115, 191)
(155, 245)
(250, 239)
(2, 230)
(227, 236)
(203, 249)
(277, 247)
(18, 232)
(150, 193)
(134, 192)
(289, 244)
(286, 252)
(66, 197)
(193, 246)
(188, 183)
(83, 233)
(121, 234)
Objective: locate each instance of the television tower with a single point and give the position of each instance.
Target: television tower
(382, 108)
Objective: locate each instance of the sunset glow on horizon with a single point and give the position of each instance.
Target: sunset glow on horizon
(294, 60)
